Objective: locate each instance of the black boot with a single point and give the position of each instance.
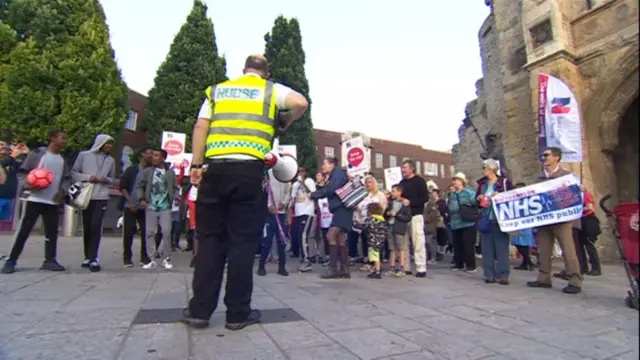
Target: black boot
(344, 262)
(332, 272)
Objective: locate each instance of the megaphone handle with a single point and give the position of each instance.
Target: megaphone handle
(285, 240)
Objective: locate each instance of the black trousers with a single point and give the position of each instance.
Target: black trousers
(232, 209)
(133, 221)
(50, 215)
(586, 251)
(464, 241)
(525, 252)
(92, 228)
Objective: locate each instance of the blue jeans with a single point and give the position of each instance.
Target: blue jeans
(495, 253)
(267, 241)
(6, 209)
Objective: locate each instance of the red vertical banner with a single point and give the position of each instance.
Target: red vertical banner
(543, 82)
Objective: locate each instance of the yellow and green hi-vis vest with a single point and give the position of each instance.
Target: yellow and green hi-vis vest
(243, 120)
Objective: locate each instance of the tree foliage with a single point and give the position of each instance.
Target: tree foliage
(57, 71)
(191, 66)
(286, 64)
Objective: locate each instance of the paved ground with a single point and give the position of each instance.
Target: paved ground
(130, 314)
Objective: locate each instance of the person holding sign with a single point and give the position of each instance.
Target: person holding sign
(546, 235)
(494, 243)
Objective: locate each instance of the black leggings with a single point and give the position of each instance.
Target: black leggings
(464, 241)
(525, 252)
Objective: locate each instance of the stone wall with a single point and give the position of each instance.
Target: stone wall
(466, 154)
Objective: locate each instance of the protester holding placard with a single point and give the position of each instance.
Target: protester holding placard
(494, 243)
(463, 211)
(546, 235)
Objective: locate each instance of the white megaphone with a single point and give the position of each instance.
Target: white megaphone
(284, 167)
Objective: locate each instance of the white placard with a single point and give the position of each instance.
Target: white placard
(356, 157)
(173, 143)
(392, 176)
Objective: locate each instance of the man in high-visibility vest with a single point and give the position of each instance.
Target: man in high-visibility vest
(234, 131)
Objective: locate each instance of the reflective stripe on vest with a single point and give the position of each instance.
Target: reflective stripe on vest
(241, 123)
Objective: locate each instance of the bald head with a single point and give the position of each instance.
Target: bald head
(257, 64)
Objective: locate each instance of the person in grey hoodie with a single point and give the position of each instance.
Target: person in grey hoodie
(97, 167)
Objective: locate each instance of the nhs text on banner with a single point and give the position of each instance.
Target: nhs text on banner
(550, 202)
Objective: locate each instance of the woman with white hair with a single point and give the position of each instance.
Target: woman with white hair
(373, 195)
(463, 212)
(494, 243)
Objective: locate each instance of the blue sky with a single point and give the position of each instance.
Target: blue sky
(400, 70)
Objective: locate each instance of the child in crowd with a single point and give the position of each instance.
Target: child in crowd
(376, 230)
(398, 217)
(523, 240)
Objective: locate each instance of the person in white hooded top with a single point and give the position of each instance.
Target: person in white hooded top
(97, 167)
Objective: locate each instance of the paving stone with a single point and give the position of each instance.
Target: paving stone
(523, 349)
(83, 320)
(335, 320)
(12, 328)
(265, 302)
(373, 343)
(396, 323)
(403, 308)
(330, 352)
(85, 345)
(449, 347)
(251, 343)
(165, 341)
(366, 310)
(102, 299)
(55, 291)
(297, 335)
(451, 325)
(420, 355)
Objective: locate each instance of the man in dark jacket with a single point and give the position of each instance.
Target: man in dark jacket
(133, 213)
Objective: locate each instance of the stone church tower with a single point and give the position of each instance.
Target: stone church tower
(592, 46)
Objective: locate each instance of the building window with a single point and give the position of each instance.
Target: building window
(590, 4)
(418, 163)
(379, 161)
(132, 120)
(442, 172)
(430, 169)
(452, 170)
(393, 161)
(328, 152)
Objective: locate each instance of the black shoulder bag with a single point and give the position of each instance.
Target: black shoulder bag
(467, 212)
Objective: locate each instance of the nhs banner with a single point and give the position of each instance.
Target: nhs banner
(558, 118)
(551, 202)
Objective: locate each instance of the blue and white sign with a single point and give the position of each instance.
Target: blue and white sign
(550, 202)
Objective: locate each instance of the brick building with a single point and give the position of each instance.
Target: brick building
(432, 165)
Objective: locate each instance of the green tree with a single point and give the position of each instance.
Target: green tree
(191, 66)
(286, 64)
(57, 71)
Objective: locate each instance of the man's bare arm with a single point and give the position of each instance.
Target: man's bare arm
(295, 104)
(199, 139)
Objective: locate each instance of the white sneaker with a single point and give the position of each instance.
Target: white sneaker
(432, 262)
(150, 265)
(166, 263)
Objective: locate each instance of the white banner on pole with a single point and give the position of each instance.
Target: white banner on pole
(559, 118)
